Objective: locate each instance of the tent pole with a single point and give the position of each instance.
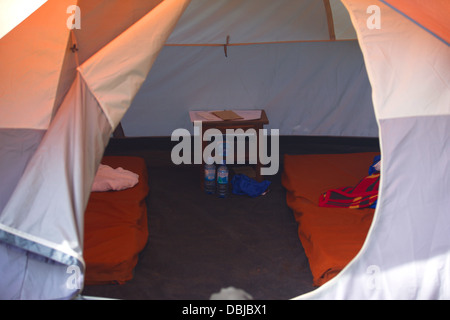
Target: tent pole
(329, 19)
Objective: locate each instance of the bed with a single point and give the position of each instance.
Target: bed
(331, 237)
(116, 227)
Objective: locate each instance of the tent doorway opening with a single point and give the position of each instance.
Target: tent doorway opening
(199, 244)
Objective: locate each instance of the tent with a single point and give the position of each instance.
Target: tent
(71, 73)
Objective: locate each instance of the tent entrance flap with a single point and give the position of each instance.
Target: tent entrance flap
(47, 218)
(43, 219)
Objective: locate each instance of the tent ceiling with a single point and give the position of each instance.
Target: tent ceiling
(261, 22)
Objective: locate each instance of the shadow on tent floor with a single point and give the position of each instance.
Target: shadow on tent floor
(199, 244)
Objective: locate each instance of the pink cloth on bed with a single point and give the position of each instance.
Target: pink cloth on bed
(117, 179)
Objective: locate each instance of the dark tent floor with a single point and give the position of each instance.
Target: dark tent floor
(199, 244)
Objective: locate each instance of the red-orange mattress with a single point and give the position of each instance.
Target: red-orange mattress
(116, 228)
(331, 237)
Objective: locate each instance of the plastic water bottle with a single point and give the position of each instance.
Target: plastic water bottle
(210, 176)
(222, 180)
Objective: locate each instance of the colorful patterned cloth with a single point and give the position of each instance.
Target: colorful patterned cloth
(363, 195)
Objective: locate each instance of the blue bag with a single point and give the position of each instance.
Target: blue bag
(244, 185)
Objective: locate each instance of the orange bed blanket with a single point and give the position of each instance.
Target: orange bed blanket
(331, 237)
(116, 227)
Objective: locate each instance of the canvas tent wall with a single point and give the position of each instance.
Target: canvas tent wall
(280, 56)
(62, 116)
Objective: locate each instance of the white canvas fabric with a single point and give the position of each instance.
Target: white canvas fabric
(306, 89)
(63, 117)
(407, 252)
(42, 222)
(32, 59)
(41, 225)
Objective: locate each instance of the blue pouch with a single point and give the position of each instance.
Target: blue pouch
(244, 185)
